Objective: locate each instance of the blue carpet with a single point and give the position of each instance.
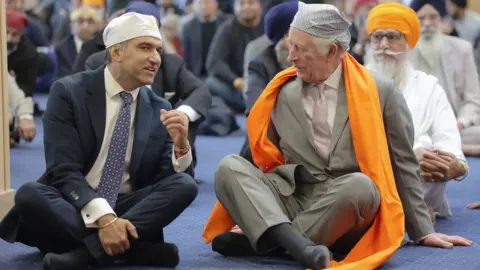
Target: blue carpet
(27, 164)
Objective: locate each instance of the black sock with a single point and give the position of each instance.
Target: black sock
(301, 248)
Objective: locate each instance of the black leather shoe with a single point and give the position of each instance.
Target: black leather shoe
(74, 260)
(148, 254)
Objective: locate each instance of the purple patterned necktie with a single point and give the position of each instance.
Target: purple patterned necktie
(113, 168)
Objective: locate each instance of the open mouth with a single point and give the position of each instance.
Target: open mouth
(150, 69)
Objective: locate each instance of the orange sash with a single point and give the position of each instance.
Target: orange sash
(371, 149)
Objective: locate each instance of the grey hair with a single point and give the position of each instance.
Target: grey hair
(121, 46)
(324, 44)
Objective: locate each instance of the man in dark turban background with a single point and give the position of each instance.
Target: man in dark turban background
(451, 61)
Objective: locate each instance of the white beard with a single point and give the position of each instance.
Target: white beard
(429, 47)
(394, 68)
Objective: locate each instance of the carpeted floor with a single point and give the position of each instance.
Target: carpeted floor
(27, 164)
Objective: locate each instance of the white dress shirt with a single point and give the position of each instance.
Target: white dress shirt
(78, 43)
(331, 94)
(434, 122)
(99, 207)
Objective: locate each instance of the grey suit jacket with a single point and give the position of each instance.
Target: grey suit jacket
(288, 132)
(461, 77)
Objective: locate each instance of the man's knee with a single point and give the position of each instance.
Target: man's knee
(227, 167)
(360, 190)
(187, 188)
(29, 196)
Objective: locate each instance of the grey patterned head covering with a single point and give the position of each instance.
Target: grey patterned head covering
(324, 21)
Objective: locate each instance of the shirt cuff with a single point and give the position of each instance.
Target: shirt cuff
(422, 238)
(94, 210)
(190, 112)
(181, 164)
(26, 116)
(465, 122)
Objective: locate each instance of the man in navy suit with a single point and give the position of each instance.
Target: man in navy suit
(118, 162)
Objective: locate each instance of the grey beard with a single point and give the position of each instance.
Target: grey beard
(429, 48)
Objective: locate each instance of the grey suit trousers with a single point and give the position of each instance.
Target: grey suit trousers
(335, 212)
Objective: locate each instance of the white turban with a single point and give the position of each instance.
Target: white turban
(324, 21)
(130, 25)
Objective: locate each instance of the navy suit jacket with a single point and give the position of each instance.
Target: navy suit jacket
(74, 124)
(66, 53)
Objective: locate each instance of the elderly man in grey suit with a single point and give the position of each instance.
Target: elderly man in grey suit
(320, 197)
(452, 61)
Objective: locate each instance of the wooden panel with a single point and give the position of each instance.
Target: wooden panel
(474, 5)
(6, 194)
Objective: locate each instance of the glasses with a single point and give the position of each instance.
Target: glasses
(392, 38)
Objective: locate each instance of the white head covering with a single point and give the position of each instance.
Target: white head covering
(130, 25)
(324, 21)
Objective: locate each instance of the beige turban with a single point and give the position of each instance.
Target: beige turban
(324, 21)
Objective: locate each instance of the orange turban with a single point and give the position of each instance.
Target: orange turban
(395, 16)
(94, 3)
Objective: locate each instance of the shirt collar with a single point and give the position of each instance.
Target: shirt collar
(113, 88)
(78, 43)
(333, 81)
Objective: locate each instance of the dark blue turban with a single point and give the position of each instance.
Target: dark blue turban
(144, 8)
(439, 5)
(278, 20)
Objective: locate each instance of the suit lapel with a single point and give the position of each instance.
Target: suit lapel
(293, 92)
(96, 106)
(143, 121)
(341, 114)
(72, 50)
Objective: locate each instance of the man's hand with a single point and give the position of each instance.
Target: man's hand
(114, 237)
(432, 166)
(27, 130)
(176, 123)
(455, 169)
(445, 241)
(475, 205)
(460, 126)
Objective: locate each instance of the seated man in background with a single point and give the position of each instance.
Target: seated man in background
(173, 81)
(394, 30)
(334, 143)
(114, 178)
(20, 107)
(226, 53)
(452, 62)
(271, 60)
(84, 24)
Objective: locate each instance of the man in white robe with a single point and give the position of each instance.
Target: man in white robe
(451, 60)
(437, 141)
